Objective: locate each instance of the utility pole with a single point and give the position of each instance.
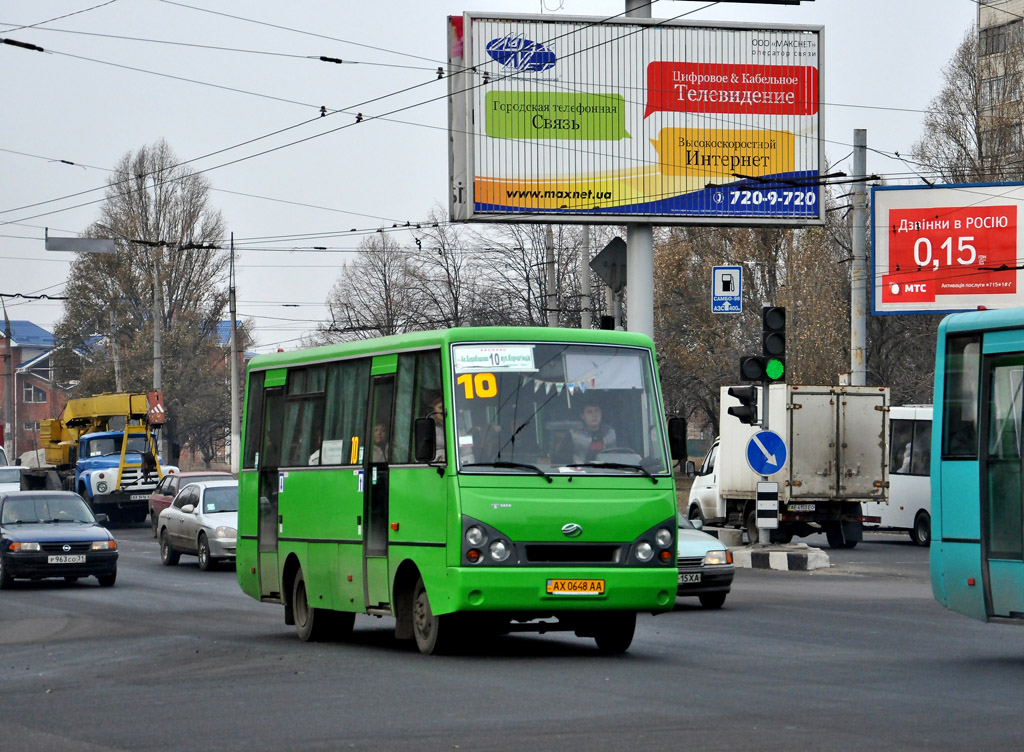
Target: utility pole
(236, 438)
(115, 352)
(9, 391)
(859, 267)
(158, 334)
(551, 298)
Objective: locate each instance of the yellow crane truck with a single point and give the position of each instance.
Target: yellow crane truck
(102, 447)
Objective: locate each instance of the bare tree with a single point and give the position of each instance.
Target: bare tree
(375, 295)
(972, 131)
(159, 214)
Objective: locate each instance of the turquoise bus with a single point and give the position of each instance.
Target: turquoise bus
(458, 482)
(977, 549)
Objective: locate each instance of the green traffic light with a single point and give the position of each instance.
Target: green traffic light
(774, 369)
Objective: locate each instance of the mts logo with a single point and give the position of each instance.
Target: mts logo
(901, 291)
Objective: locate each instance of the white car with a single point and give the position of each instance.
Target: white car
(10, 478)
(201, 521)
(704, 563)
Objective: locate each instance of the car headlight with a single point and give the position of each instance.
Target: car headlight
(500, 550)
(225, 532)
(718, 557)
(19, 546)
(101, 487)
(475, 536)
(644, 551)
(104, 545)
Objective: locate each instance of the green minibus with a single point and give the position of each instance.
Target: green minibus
(465, 482)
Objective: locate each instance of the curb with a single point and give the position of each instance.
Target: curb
(798, 558)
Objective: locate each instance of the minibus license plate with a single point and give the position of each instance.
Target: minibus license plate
(575, 587)
(801, 507)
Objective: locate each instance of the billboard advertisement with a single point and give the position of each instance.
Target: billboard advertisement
(568, 119)
(945, 248)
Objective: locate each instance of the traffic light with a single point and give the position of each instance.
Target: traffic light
(751, 368)
(773, 342)
(746, 411)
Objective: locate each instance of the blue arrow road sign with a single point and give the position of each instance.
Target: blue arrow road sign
(766, 452)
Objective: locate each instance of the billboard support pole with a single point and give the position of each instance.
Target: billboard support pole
(586, 321)
(859, 267)
(640, 242)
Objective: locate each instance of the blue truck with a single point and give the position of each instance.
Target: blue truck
(103, 448)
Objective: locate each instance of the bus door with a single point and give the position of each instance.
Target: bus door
(1002, 476)
(376, 458)
(269, 486)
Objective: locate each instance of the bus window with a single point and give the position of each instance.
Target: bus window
(901, 446)
(253, 419)
(347, 390)
(418, 374)
(960, 406)
(921, 459)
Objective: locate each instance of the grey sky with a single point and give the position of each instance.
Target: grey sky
(95, 95)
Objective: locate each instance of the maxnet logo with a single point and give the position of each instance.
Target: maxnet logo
(523, 54)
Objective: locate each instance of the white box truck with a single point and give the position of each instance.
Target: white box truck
(835, 438)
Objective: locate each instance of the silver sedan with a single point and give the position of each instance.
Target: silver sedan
(201, 521)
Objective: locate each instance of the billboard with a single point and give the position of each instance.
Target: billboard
(569, 119)
(945, 248)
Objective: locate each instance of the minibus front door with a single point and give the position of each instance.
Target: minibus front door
(270, 461)
(375, 501)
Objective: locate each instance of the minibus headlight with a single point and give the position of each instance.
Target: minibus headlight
(644, 551)
(500, 550)
(663, 537)
(475, 536)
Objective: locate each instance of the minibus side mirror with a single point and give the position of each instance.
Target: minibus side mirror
(425, 433)
(677, 438)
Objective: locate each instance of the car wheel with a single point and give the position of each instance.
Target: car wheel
(107, 580)
(614, 632)
(834, 534)
(434, 634)
(921, 533)
(168, 556)
(315, 624)
(206, 562)
(712, 601)
(5, 575)
(752, 531)
(154, 518)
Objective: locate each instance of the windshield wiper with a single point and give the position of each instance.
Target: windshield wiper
(617, 466)
(512, 466)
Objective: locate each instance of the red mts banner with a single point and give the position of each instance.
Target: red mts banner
(950, 251)
(737, 89)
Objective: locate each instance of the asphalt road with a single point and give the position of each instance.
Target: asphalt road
(856, 656)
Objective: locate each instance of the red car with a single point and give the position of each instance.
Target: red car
(168, 488)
